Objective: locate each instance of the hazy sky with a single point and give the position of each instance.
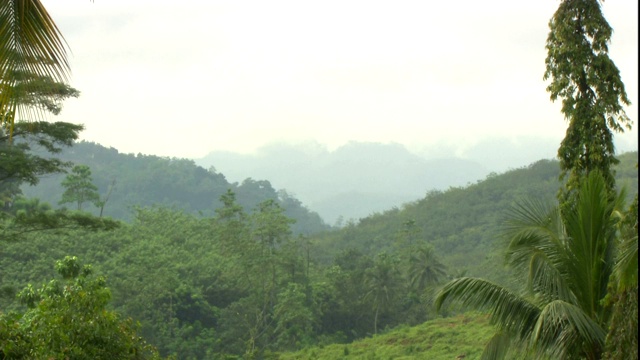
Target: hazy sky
(183, 78)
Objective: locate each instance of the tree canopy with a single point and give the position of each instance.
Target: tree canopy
(593, 95)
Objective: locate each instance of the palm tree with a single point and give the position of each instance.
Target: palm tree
(381, 282)
(31, 47)
(569, 257)
(425, 269)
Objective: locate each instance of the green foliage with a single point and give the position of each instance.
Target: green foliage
(462, 336)
(622, 339)
(626, 268)
(146, 180)
(294, 319)
(462, 224)
(30, 215)
(29, 86)
(18, 162)
(569, 257)
(241, 284)
(41, 92)
(592, 92)
(382, 282)
(68, 319)
(79, 187)
(33, 59)
(425, 269)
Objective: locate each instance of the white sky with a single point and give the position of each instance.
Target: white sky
(183, 78)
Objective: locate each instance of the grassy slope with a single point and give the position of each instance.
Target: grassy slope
(444, 338)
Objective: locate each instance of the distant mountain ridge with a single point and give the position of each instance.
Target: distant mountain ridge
(353, 181)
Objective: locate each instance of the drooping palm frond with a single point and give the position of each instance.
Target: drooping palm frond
(569, 255)
(564, 330)
(30, 43)
(508, 310)
(538, 244)
(626, 267)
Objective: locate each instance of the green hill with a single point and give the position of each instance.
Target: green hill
(147, 180)
(462, 223)
(240, 283)
(458, 337)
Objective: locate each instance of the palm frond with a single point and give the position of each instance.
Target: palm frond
(425, 269)
(533, 227)
(591, 237)
(531, 215)
(30, 43)
(547, 279)
(538, 244)
(564, 329)
(569, 254)
(508, 310)
(626, 266)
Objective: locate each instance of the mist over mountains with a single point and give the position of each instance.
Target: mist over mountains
(361, 178)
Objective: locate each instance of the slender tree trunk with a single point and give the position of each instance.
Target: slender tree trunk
(375, 321)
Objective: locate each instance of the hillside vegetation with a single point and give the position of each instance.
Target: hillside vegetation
(241, 283)
(201, 268)
(458, 337)
(147, 180)
(462, 223)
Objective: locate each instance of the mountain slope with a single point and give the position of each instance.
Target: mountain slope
(462, 223)
(146, 180)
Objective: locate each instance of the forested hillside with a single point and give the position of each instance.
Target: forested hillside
(239, 283)
(463, 223)
(167, 259)
(147, 180)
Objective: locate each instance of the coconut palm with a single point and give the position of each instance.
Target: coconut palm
(382, 282)
(425, 269)
(569, 258)
(31, 46)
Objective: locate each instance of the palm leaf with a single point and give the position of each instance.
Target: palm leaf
(548, 279)
(508, 310)
(538, 244)
(564, 329)
(425, 269)
(569, 255)
(591, 233)
(30, 43)
(627, 265)
(533, 227)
